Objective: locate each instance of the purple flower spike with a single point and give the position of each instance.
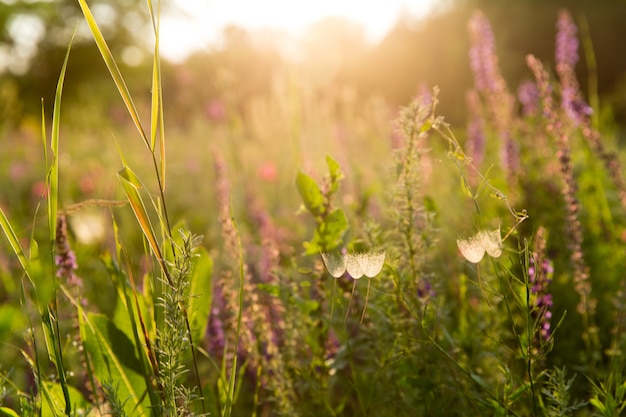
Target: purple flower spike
(528, 96)
(566, 53)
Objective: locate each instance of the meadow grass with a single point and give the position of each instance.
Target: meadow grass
(355, 259)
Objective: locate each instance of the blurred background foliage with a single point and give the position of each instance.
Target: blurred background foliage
(333, 55)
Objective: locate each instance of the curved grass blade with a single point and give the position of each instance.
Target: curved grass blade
(15, 245)
(113, 69)
(52, 181)
(131, 185)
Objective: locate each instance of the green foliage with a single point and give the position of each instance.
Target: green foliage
(332, 223)
(140, 321)
(115, 358)
(556, 391)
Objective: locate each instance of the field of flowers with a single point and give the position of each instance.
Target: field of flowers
(318, 253)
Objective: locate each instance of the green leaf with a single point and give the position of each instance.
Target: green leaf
(115, 358)
(336, 175)
(57, 397)
(333, 229)
(597, 404)
(467, 190)
(311, 194)
(7, 412)
(312, 247)
(328, 234)
(201, 294)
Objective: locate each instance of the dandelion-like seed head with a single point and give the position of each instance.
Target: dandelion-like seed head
(492, 242)
(334, 263)
(371, 263)
(473, 249)
(353, 266)
(356, 264)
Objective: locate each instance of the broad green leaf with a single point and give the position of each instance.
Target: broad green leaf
(115, 358)
(56, 394)
(129, 316)
(333, 167)
(311, 194)
(201, 294)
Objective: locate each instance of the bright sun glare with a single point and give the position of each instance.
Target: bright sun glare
(197, 24)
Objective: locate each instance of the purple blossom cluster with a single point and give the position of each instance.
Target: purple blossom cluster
(65, 258)
(492, 89)
(528, 96)
(482, 55)
(475, 128)
(566, 57)
(566, 52)
(540, 275)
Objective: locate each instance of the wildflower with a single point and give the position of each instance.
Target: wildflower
(268, 171)
(492, 87)
(528, 96)
(475, 128)
(540, 277)
(216, 110)
(540, 271)
(473, 249)
(65, 259)
(425, 290)
(566, 51)
(566, 56)
(483, 59)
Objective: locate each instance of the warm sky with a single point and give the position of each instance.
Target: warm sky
(199, 22)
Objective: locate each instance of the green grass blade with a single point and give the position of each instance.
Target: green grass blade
(131, 185)
(44, 137)
(113, 68)
(53, 170)
(157, 94)
(53, 203)
(156, 78)
(15, 244)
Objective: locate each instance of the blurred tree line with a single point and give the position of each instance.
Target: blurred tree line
(332, 54)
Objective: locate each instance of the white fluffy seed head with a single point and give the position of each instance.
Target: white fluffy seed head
(334, 263)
